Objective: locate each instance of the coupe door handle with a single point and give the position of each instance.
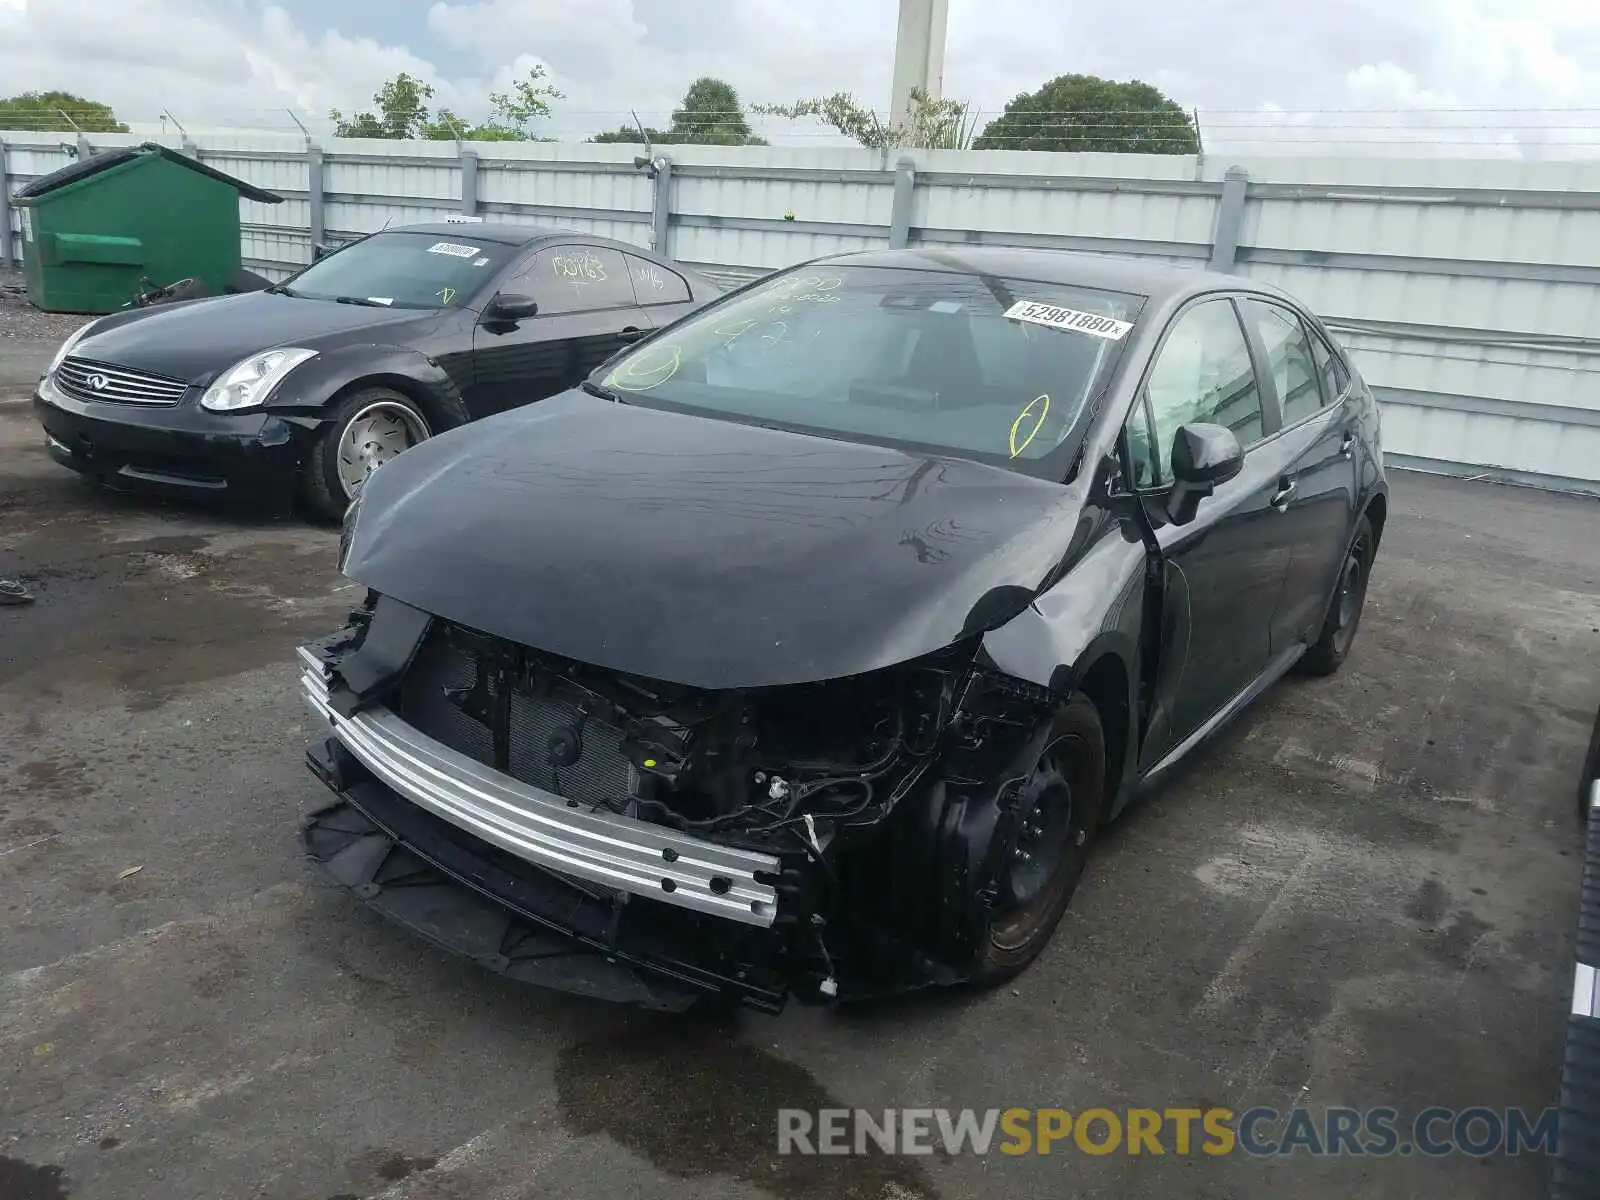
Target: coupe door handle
(1348, 446)
(631, 333)
(1286, 490)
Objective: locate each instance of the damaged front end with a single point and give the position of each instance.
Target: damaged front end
(639, 841)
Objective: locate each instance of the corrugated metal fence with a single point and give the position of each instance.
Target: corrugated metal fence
(1470, 291)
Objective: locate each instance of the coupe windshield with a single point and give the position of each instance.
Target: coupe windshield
(975, 365)
(404, 270)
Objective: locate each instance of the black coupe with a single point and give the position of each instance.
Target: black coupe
(806, 647)
(381, 344)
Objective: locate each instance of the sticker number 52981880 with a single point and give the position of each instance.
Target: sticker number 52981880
(1069, 318)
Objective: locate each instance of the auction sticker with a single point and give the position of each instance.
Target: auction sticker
(454, 250)
(1069, 318)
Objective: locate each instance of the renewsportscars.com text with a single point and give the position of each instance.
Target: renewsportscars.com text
(1258, 1132)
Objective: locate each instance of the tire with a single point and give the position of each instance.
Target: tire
(1332, 647)
(337, 466)
(1032, 892)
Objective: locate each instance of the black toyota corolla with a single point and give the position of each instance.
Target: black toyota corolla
(805, 648)
(317, 381)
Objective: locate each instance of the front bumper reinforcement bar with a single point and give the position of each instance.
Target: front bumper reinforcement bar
(606, 849)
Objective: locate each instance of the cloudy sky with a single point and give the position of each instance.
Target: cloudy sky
(1258, 70)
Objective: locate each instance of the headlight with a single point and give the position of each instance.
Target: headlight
(73, 339)
(247, 384)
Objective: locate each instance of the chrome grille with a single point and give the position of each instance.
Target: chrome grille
(118, 385)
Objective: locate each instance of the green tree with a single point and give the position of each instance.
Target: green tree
(402, 111)
(43, 111)
(1084, 112)
(934, 124)
(709, 114)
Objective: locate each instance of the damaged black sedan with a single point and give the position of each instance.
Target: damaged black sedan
(804, 649)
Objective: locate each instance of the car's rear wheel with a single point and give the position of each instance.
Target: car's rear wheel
(1045, 847)
(368, 428)
(1332, 647)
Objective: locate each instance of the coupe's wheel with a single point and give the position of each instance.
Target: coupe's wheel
(1331, 648)
(1045, 846)
(368, 429)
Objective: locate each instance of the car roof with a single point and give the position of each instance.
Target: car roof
(487, 231)
(1158, 282)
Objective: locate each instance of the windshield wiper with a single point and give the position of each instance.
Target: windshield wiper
(278, 289)
(594, 389)
(361, 300)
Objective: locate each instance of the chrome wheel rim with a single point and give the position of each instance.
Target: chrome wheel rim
(372, 437)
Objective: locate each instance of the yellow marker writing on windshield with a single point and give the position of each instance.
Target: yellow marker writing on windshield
(1042, 403)
(447, 294)
(650, 368)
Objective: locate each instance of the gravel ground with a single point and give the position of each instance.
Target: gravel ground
(19, 319)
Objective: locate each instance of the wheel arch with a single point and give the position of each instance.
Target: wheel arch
(1105, 678)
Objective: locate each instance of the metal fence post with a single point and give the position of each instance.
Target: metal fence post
(6, 258)
(469, 183)
(661, 206)
(905, 187)
(1230, 216)
(314, 195)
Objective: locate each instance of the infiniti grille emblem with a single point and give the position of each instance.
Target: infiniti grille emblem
(97, 382)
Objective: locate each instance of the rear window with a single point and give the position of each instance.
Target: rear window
(405, 270)
(979, 366)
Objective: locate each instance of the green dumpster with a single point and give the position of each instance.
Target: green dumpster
(93, 230)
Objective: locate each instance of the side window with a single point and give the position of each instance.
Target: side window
(567, 279)
(1203, 373)
(1335, 379)
(1289, 352)
(655, 284)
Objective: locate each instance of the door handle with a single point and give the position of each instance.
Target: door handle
(631, 333)
(1286, 490)
(1348, 446)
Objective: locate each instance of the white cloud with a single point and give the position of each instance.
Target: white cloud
(1264, 75)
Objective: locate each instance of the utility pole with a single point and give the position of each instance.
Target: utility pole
(918, 56)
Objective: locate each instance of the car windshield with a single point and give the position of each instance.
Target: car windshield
(978, 366)
(402, 269)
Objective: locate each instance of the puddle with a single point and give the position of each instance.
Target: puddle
(685, 1095)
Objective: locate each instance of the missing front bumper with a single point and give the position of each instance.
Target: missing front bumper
(543, 829)
(513, 920)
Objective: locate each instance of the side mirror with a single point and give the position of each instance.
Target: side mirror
(511, 306)
(1204, 456)
(321, 250)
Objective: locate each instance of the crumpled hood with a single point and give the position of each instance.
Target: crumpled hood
(193, 341)
(700, 551)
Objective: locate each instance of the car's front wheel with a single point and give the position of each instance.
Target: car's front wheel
(367, 429)
(1056, 811)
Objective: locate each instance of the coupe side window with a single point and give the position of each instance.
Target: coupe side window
(655, 284)
(1203, 374)
(1289, 352)
(566, 279)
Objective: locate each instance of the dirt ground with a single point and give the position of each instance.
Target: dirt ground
(1363, 895)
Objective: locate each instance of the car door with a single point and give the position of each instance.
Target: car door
(1223, 571)
(1319, 486)
(661, 292)
(587, 312)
